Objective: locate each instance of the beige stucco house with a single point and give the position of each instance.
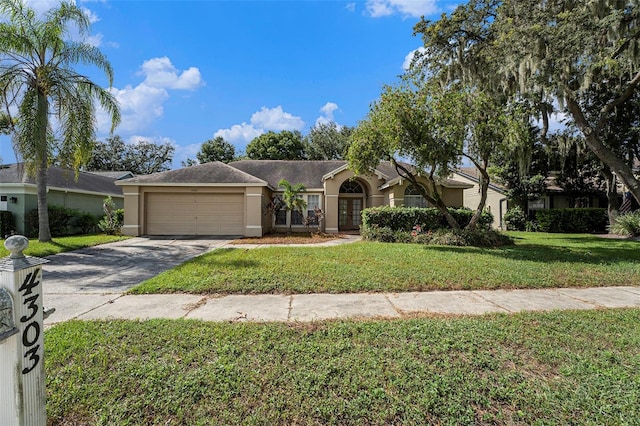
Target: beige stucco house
(230, 199)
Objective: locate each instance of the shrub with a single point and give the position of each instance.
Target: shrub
(60, 219)
(85, 222)
(113, 218)
(515, 219)
(405, 218)
(572, 220)
(466, 238)
(627, 224)
(447, 237)
(7, 223)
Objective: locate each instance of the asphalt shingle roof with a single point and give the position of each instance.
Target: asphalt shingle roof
(308, 173)
(214, 172)
(61, 178)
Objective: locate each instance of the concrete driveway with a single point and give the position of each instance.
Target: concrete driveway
(116, 267)
(75, 283)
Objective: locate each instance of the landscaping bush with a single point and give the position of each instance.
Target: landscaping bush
(405, 218)
(85, 222)
(588, 220)
(467, 238)
(627, 224)
(7, 223)
(447, 237)
(113, 218)
(515, 219)
(60, 219)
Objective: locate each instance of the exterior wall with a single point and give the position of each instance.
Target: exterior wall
(27, 200)
(267, 219)
(496, 201)
(91, 203)
(300, 228)
(452, 197)
(253, 212)
(135, 206)
(372, 196)
(132, 208)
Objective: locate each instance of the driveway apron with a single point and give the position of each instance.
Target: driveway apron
(117, 267)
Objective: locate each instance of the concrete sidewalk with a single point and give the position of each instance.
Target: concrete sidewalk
(312, 307)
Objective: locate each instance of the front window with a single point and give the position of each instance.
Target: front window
(413, 197)
(313, 203)
(351, 187)
(296, 217)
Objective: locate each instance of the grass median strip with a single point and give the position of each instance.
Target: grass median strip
(547, 368)
(536, 261)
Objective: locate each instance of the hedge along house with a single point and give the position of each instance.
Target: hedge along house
(18, 192)
(497, 203)
(231, 199)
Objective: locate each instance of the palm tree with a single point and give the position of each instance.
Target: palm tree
(292, 199)
(54, 104)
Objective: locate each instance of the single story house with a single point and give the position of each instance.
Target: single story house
(231, 199)
(553, 198)
(18, 191)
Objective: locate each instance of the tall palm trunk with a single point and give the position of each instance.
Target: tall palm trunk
(44, 233)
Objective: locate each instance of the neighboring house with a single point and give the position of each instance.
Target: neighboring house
(18, 191)
(496, 202)
(230, 199)
(554, 197)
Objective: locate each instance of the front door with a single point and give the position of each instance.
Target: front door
(349, 213)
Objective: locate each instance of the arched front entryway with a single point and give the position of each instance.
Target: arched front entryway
(350, 204)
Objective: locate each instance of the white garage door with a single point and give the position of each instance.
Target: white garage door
(195, 214)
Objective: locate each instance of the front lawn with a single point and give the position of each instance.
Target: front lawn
(62, 244)
(530, 368)
(536, 261)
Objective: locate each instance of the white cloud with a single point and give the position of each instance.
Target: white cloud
(141, 105)
(351, 7)
(327, 113)
(407, 59)
(93, 17)
(413, 8)
(275, 119)
(94, 40)
(239, 133)
(160, 72)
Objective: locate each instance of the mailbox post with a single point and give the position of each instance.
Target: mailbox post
(22, 391)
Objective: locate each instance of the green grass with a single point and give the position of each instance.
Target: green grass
(536, 261)
(62, 244)
(530, 368)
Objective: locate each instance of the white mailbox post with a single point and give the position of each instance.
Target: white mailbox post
(22, 391)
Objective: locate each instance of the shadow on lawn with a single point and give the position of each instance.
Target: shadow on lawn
(591, 250)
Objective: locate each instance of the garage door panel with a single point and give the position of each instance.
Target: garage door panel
(194, 214)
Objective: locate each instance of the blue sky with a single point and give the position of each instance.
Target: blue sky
(187, 71)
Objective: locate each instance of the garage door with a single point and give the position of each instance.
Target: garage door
(195, 214)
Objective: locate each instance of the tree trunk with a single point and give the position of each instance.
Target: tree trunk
(612, 195)
(41, 161)
(484, 187)
(44, 233)
(432, 198)
(606, 155)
